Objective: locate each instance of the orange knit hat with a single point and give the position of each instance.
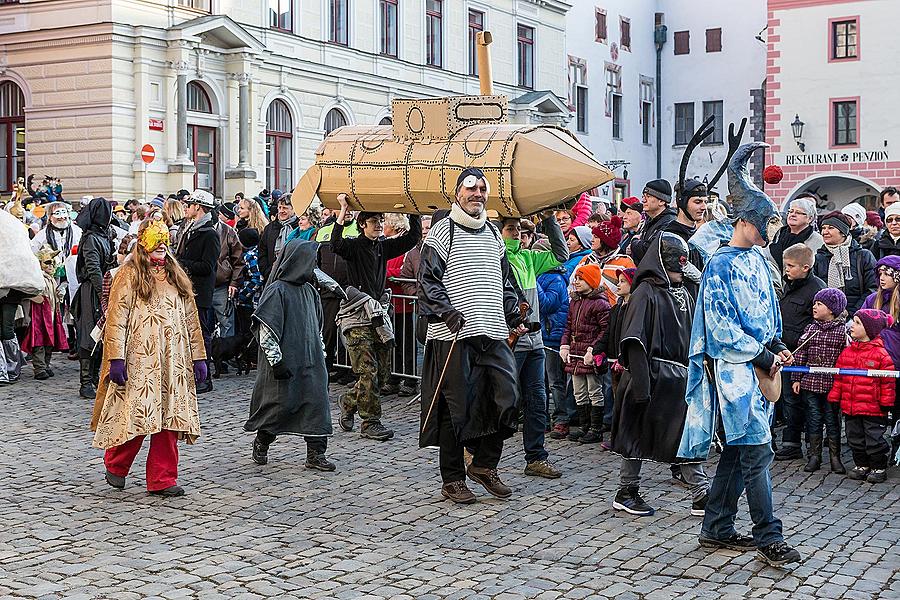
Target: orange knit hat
(590, 274)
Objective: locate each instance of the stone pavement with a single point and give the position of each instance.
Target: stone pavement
(377, 528)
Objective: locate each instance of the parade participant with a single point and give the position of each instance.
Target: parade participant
(152, 355)
(649, 410)
(632, 211)
(581, 351)
(198, 253)
(864, 400)
(800, 289)
(290, 395)
(96, 256)
(888, 242)
(736, 330)
(526, 266)
(275, 235)
(656, 198)
(843, 264)
(822, 341)
(59, 233)
(471, 306)
(800, 229)
(367, 256)
(45, 332)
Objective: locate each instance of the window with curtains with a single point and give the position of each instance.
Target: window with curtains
(338, 22)
(684, 123)
(844, 114)
(714, 109)
(334, 119)
(844, 43)
(434, 16)
(388, 14)
(281, 14)
(525, 39)
(476, 25)
(279, 147)
(12, 135)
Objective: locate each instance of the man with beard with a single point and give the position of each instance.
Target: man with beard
(649, 411)
(656, 198)
(466, 295)
(59, 233)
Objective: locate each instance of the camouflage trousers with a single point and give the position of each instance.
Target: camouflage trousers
(371, 362)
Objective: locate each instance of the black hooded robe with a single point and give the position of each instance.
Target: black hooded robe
(95, 257)
(290, 308)
(656, 335)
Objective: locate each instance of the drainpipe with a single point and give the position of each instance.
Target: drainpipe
(659, 37)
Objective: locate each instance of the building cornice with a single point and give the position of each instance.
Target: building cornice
(560, 6)
(791, 4)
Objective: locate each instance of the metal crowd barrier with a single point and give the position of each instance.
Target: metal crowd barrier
(406, 360)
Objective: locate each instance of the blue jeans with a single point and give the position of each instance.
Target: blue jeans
(740, 468)
(820, 411)
(560, 388)
(530, 365)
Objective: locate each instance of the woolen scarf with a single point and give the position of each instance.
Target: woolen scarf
(839, 266)
(461, 217)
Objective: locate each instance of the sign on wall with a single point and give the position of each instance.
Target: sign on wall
(156, 124)
(855, 156)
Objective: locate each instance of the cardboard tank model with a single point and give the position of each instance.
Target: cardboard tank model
(411, 166)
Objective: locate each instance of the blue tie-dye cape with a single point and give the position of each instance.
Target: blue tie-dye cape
(737, 313)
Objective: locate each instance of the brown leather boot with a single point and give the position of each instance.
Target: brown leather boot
(458, 492)
(490, 479)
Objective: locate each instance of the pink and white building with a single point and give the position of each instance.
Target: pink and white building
(834, 67)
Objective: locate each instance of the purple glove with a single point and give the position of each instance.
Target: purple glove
(200, 371)
(118, 374)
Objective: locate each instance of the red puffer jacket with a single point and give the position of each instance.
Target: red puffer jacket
(585, 328)
(864, 396)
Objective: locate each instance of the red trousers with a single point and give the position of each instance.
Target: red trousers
(162, 460)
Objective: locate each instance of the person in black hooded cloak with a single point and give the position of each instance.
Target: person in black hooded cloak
(291, 391)
(649, 410)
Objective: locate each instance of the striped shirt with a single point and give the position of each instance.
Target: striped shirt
(473, 279)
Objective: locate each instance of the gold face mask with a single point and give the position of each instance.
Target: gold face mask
(155, 234)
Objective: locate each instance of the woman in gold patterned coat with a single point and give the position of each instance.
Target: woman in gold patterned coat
(153, 357)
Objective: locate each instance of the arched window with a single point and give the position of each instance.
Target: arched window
(334, 119)
(197, 98)
(279, 147)
(386, 121)
(12, 135)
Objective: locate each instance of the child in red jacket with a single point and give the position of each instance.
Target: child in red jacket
(866, 400)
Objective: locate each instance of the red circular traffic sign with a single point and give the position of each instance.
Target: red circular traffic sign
(148, 153)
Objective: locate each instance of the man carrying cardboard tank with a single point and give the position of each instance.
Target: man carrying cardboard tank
(368, 347)
(469, 387)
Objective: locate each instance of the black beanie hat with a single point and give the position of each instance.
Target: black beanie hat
(467, 172)
(249, 237)
(659, 188)
(227, 210)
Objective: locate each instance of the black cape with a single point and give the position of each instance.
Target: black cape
(290, 307)
(658, 321)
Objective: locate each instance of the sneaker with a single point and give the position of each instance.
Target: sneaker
(859, 473)
(698, 507)
(560, 431)
(629, 500)
(605, 446)
(319, 463)
(490, 479)
(678, 476)
(777, 554)
(346, 418)
(376, 431)
(877, 476)
(260, 452)
(115, 481)
(738, 542)
(542, 468)
(169, 492)
(457, 491)
(789, 453)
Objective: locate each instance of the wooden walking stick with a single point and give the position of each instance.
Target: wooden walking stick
(437, 388)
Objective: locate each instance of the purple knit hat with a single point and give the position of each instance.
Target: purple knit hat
(891, 266)
(833, 298)
(874, 321)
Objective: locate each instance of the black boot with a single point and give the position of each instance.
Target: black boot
(815, 454)
(595, 434)
(834, 454)
(87, 386)
(584, 420)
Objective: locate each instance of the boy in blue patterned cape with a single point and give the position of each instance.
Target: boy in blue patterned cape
(736, 330)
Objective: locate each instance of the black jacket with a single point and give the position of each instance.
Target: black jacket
(796, 308)
(653, 227)
(367, 259)
(863, 279)
(199, 255)
(266, 246)
(885, 246)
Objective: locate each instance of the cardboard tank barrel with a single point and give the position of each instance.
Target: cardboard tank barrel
(412, 165)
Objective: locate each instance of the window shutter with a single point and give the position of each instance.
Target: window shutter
(682, 42)
(714, 40)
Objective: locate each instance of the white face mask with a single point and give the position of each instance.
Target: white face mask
(60, 218)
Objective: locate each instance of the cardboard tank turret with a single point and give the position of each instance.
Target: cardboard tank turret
(412, 165)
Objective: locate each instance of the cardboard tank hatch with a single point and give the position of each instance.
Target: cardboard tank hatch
(412, 165)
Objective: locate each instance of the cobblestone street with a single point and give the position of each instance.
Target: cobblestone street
(377, 528)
